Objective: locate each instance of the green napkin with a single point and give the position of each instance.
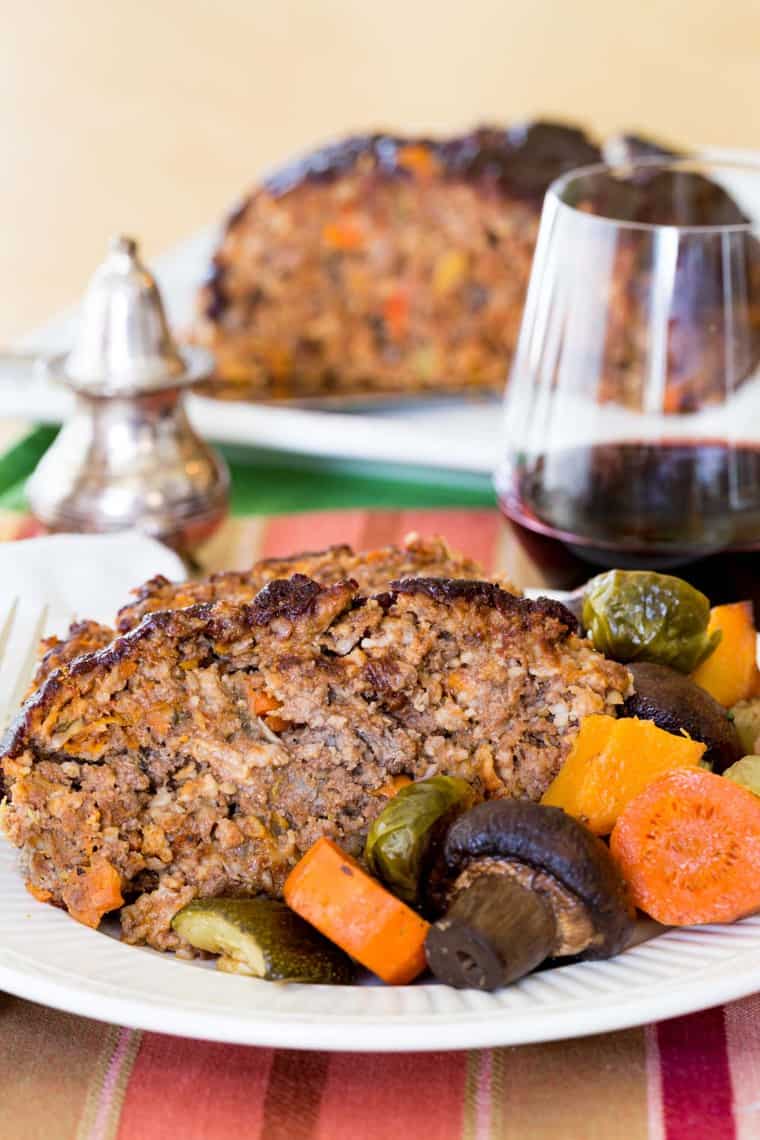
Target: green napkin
(265, 482)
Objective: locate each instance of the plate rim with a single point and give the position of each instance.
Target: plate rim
(88, 973)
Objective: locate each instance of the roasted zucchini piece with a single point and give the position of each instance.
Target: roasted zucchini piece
(403, 836)
(262, 938)
(640, 615)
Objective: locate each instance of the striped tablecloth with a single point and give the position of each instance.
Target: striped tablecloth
(67, 1078)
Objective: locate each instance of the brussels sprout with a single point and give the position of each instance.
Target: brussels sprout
(639, 615)
(404, 834)
(746, 772)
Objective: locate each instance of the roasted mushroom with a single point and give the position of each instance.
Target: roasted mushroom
(526, 883)
(674, 702)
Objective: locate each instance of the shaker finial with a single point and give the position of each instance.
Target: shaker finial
(123, 244)
(123, 344)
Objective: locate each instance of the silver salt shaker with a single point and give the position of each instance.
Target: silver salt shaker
(128, 456)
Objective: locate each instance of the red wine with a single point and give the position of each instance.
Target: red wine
(640, 504)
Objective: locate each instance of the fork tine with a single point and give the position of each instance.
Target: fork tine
(5, 629)
(19, 641)
(29, 644)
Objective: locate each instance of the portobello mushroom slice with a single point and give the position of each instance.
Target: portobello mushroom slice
(526, 883)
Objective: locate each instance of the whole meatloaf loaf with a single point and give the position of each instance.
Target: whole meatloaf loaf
(204, 751)
(383, 264)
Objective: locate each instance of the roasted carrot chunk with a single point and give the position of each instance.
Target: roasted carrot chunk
(689, 849)
(392, 786)
(262, 702)
(396, 313)
(419, 159)
(332, 892)
(344, 235)
(611, 762)
(39, 893)
(730, 673)
(93, 893)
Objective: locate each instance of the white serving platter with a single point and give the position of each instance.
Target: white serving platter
(47, 957)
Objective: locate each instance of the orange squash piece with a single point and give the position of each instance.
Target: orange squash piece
(331, 891)
(689, 848)
(730, 673)
(611, 762)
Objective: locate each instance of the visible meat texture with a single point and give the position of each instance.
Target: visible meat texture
(204, 751)
(383, 264)
(371, 570)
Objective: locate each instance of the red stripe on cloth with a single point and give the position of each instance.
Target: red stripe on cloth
(196, 1090)
(474, 533)
(697, 1099)
(381, 528)
(290, 534)
(378, 1097)
(29, 528)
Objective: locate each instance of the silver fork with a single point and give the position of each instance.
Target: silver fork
(23, 624)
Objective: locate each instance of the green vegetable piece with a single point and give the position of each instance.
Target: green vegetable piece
(746, 718)
(639, 615)
(746, 772)
(403, 837)
(262, 938)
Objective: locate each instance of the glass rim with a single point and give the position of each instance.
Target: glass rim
(683, 162)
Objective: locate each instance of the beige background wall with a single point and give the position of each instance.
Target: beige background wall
(153, 115)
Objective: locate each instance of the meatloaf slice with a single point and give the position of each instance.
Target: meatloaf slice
(204, 751)
(372, 570)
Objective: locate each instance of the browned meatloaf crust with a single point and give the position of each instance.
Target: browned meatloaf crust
(383, 264)
(370, 569)
(147, 760)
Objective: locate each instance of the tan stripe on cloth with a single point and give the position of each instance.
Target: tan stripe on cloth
(235, 546)
(51, 1069)
(294, 1094)
(100, 1119)
(587, 1089)
(743, 1038)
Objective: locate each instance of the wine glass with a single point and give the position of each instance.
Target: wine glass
(632, 413)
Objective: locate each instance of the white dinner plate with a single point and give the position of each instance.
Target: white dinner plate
(456, 435)
(48, 957)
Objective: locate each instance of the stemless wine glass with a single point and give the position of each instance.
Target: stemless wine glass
(632, 414)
